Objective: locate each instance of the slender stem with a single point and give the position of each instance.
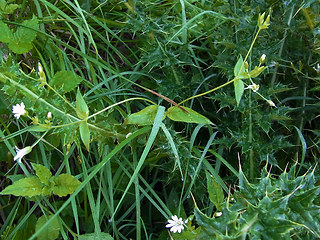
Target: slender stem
(227, 83)
(65, 100)
(118, 103)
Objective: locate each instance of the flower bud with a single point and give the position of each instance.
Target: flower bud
(49, 115)
(271, 103)
(246, 65)
(262, 58)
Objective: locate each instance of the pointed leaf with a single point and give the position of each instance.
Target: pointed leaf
(81, 106)
(51, 232)
(26, 187)
(215, 192)
(144, 117)
(42, 172)
(189, 116)
(67, 80)
(65, 184)
(238, 90)
(239, 70)
(85, 134)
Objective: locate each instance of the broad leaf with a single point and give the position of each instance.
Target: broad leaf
(6, 35)
(95, 236)
(65, 184)
(238, 90)
(26, 187)
(81, 106)
(51, 231)
(144, 117)
(66, 80)
(7, 8)
(215, 191)
(24, 36)
(42, 172)
(187, 115)
(85, 134)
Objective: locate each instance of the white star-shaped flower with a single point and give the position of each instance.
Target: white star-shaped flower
(176, 224)
(21, 153)
(19, 110)
(254, 87)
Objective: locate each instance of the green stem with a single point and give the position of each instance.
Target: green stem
(227, 83)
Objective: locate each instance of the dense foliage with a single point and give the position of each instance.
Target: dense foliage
(117, 115)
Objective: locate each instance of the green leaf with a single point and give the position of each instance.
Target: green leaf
(6, 8)
(66, 80)
(65, 184)
(144, 117)
(238, 90)
(42, 172)
(95, 236)
(51, 232)
(85, 134)
(81, 106)
(215, 192)
(24, 36)
(26, 187)
(239, 70)
(6, 35)
(175, 113)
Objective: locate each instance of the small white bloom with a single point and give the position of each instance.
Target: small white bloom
(49, 115)
(271, 103)
(176, 224)
(254, 87)
(317, 68)
(21, 153)
(218, 214)
(18, 110)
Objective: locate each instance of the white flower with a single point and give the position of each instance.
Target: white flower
(176, 225)
(49, 115)
(254, 87)
(21, 153)
(317, 68)
(218, 214)
(19, 110)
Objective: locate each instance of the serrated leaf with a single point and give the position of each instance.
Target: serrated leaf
(66, 80)
(24, 36)
(42, 172)
(85, 134)
(144, 117)
(26, 187)
(239, 69)
(81, 106)
(238, 90)
(256, 71)
(215, 191)
(6, 35)
(95, 236)
(51, 231)
(6, 8)
(175, 113)
(65, 184)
